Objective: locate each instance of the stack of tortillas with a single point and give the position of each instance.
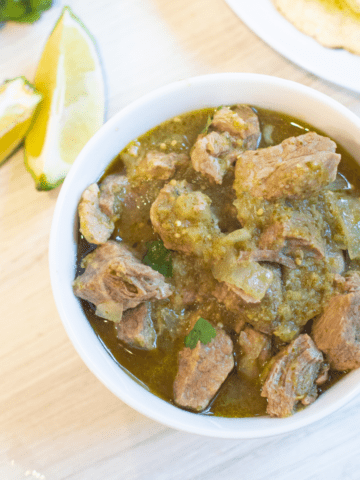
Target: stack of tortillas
(333, 23)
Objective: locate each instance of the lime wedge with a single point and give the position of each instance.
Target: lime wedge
(69, 76)
(18, 100)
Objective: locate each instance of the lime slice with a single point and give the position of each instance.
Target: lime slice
(18, 100)
(69, 76)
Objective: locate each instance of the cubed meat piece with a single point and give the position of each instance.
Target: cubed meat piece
(293, 232)
(159, 165)
(202, 371)
(94, 224)
(241, 122)
(113, 275)
(297, 168)
(183, 218)
(255, 352)
(337, 331)
(213, 154)
(343, 215)
(136, 327)
(100, 208)
(292, 377)
(235, 131)
(252, 132)
(113, 192)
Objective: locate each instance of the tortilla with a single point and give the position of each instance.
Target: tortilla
(332, 23)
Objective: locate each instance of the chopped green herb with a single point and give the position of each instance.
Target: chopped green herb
(203, 331)
(159, 258)
(207, 125)
(23, 10)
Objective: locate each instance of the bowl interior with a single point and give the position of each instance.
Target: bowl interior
(200, 92)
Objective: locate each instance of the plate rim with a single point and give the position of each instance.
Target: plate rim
(242, 10)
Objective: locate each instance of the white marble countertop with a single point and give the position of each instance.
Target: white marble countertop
(57, 421)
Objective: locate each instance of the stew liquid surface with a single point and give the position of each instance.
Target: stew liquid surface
(156, 369)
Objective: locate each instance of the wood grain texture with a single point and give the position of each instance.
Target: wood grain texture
(57, 421)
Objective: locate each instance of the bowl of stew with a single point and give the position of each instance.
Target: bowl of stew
(204, 255)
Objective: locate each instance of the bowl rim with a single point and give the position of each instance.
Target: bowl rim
(156, 408)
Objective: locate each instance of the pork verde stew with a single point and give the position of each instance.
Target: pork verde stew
(219, 260)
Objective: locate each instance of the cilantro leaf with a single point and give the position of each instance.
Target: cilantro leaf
(192, 339)
(203, 331)
(207, 125)
(159, 258)
(23, 10)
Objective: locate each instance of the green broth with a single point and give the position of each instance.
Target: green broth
(156, 369)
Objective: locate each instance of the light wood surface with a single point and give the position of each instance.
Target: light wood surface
(57, 421)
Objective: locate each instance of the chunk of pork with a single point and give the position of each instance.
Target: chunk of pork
(297, 168)
(114, 276)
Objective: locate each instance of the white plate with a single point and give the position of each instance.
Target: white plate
(337, 66)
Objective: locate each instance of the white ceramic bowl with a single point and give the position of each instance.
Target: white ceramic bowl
(147, 112)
